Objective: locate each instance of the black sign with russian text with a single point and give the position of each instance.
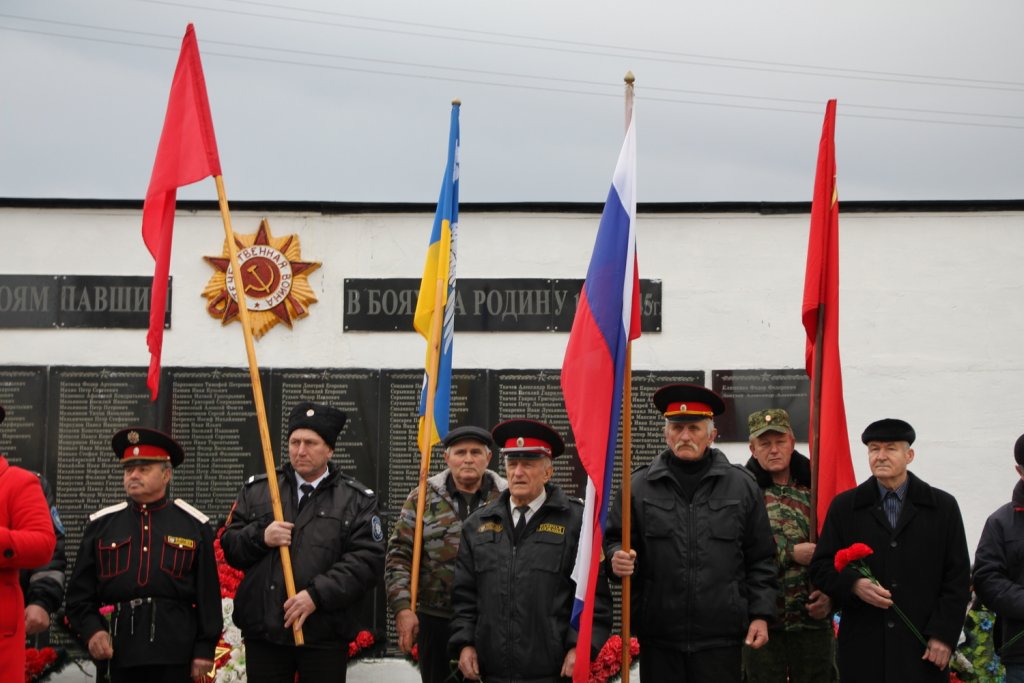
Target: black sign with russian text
(483, 305)
(747, 391)
(97, 301)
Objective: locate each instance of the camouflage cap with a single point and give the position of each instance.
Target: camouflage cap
(770, 420)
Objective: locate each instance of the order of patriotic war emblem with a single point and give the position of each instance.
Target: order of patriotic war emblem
(274, 279)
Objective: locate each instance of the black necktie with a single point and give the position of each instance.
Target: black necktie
(307, 492)
(517, 531)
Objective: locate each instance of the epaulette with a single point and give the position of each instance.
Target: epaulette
(358, 486)
(108, 510)
(203, 519)
(255, 478)
(574, 499)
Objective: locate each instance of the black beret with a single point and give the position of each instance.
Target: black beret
(326, 421)
(1018, 450)
(688, 402)
(889, 429)
(468, 432)
(139, 444)
(527, 439)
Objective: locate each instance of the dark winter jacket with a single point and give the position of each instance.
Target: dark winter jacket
(704, 569)
(513, 603)
(999, 572)
(337, 555)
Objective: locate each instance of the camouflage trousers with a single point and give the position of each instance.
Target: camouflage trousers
(805, 656)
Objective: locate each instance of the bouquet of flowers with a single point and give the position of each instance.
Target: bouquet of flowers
(853, 557)
(608, 663)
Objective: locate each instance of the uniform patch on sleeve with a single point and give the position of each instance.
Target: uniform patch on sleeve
(57, 524)
(552, 528)
(378, 529)
(496, 527)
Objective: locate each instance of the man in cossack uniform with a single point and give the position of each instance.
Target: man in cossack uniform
(144, 595)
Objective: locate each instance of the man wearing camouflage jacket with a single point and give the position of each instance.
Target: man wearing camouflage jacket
(800, 645)
(451, 496)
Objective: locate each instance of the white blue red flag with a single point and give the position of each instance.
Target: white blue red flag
(440, 266)
(607, 317)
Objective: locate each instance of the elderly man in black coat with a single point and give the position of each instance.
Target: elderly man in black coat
(920, 561)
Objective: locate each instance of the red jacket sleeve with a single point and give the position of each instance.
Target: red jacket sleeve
(26, 530)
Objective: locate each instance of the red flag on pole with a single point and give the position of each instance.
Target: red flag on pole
(187, 153)
(832, 472)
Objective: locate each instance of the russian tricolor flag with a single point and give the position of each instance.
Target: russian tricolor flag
(607, 317)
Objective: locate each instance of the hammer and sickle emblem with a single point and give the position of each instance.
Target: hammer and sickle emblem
(264, 286)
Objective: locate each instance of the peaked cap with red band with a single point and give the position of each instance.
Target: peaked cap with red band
(688, 402)
(527, 439)
(139, 444)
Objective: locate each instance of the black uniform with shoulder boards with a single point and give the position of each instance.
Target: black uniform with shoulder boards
(146, 572)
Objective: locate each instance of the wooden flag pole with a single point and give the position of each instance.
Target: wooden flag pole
(816, 421)
(257, 394)
(627, 433)
(428, 430)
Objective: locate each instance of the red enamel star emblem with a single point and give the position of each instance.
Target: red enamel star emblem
(274, 278)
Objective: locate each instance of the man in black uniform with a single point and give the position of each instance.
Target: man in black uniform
(702, 556)
(513, 592)
(150, 559)
(337, 553)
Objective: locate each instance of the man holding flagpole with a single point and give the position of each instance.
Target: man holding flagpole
(337, 540)
(703, 556)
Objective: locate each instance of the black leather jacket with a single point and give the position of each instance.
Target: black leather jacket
(337, 554)
(705, 569)
(513, 603)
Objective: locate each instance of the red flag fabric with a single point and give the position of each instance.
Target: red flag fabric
(834, 472)
(187, 153)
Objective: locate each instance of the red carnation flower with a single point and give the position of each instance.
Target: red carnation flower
(857, 551)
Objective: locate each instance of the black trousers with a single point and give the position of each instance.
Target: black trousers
(267, 662)
(717, 665)
(432, 646)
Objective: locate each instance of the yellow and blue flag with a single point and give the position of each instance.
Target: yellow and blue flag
(440, 267)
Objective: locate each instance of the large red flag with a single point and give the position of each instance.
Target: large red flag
(834, 471)
(187, 153)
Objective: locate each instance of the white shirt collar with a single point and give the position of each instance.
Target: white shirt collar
(534, 505)
(299, 481)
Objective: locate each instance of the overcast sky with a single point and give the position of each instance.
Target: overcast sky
(349, 101)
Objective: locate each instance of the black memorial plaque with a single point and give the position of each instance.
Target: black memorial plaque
(85, 406)
(102, 301)
(483, 304)
(537, 395)
(354, 392)
(399, 410)
(210, 412)
(23, 434)
(746, 391)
